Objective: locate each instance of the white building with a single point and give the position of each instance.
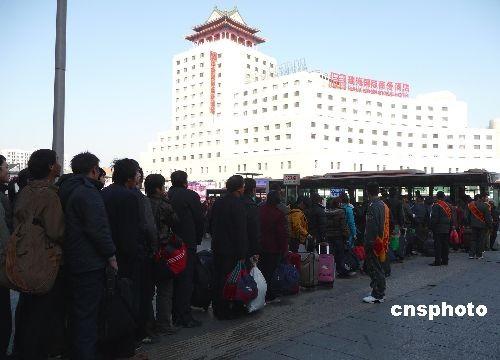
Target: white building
(16, 156)
(233, 113)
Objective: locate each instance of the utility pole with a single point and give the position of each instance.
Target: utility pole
(59, 82)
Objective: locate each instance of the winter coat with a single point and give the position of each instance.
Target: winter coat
(317, 222)
(273, 230)
(88, 244)
(298, 225)
(375, 219)
(440, 223)
(475, 222)
(164, 218)
(123, 209)
(336, 226)
(186, 204)
(229, 227)
(149, 237)
(4, 230)
(422, 214)
(253, 224)
(351, 223)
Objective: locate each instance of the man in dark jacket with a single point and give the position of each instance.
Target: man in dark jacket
(88, 248)
(480, 220)
(441, 221)
(229, 239)
(422, 217)
(252, 208)
(187, 206)
(123, 209)
(317, 219)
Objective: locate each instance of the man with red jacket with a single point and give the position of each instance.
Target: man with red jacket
(273, 239)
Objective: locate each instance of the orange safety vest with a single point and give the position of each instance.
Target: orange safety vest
(446, 208)
(381, 245)
(476, 212)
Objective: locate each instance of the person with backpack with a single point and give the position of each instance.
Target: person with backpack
(38, 209)
(299, 233)
(164, 218)
(272, 239)
(187, 205)
(376, 243)
(88, 250)
(440, 224)
(5, 310)
(229, 242)
(337, 234)
(480, 220)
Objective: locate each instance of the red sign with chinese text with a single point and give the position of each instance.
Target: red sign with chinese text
(213, 62)
(368, 86)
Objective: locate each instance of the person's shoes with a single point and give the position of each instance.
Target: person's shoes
(481, 257)
(191, 323)
(493, 249)
(164, 329)
(351, 273)
(372, 300)
(434, 264)
(472, 257)
(444, 264)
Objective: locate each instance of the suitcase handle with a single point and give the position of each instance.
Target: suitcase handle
(327, 247)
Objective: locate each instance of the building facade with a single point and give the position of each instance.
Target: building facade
(233, 112)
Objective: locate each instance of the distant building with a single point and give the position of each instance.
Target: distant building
(235, 110)
(16, 157)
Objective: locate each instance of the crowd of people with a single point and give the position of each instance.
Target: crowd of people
(96, 234)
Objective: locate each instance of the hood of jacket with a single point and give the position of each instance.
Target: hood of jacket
(67, 184)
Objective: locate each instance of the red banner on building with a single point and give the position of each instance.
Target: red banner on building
(213, 63)
(368, 86)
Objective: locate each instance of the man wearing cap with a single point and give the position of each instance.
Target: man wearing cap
(441, 221)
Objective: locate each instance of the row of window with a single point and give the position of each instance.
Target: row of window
(185, 157)
(266, 138)
(400, 133)
(380, 104)
(400, 144)
(266, 128)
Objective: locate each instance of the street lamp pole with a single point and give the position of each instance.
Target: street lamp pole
(59, 82)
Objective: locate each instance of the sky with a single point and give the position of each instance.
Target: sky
(118, 73)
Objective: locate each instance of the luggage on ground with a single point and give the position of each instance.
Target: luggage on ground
(116, 315)
(454, 237)
(259, 302)
(203, 280)
(326, 273)
(240, 286)
(309, 268)
(286, 279)
(360, 253)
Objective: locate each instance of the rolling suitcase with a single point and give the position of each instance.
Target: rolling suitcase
(309, 265)
(326, 274)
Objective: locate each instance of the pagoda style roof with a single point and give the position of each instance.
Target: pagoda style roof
(225, 19)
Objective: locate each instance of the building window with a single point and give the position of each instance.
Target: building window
(477, 137)
(313, 136)
(313, 124)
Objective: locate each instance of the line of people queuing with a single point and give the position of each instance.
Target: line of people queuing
(119, 228)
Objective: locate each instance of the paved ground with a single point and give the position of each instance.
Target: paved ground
(334, 324)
